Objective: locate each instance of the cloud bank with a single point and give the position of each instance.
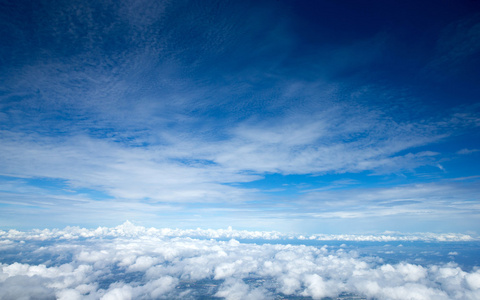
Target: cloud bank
(128, 229)
(129, 262)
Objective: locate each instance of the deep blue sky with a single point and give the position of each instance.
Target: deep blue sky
(297, 116)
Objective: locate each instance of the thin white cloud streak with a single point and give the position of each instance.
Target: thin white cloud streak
(127, 173)
(135, 265)
(335, 138)
(419, 199)
(467, 151)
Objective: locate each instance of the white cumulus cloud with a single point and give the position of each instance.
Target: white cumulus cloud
(132, 262)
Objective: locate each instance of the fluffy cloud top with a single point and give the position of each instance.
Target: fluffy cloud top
(129, 262)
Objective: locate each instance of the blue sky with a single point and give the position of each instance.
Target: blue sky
(297, 116)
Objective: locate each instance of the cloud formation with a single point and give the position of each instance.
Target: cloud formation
(131, 263)
(128, 229)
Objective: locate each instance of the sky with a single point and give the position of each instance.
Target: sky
(332, 117)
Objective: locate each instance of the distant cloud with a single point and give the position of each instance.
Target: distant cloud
(467, 151)
(128, 229)
(422, 200)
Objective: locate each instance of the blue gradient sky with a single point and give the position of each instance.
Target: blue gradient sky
(297, 116)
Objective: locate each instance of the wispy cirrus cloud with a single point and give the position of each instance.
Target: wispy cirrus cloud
(467, 151)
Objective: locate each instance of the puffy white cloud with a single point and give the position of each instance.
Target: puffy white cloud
(159, 287)
(122, 293)
(131, 262)
(317, 288)
(69, 294)
(236, 289)
(473, 280)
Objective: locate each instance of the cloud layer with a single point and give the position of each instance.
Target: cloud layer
(131, 262)
(128, 229)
